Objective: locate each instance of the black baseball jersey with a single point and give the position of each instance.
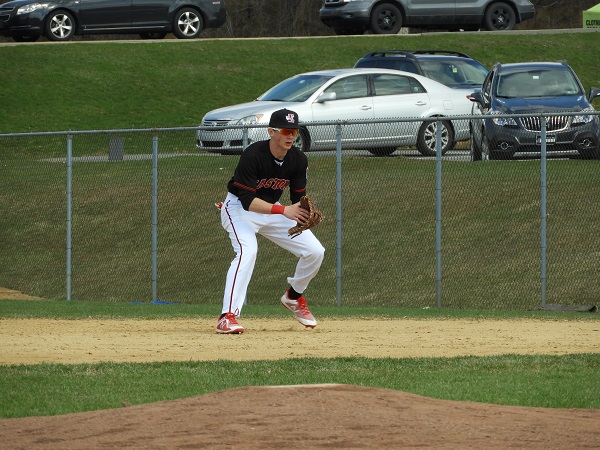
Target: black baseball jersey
(260, 175)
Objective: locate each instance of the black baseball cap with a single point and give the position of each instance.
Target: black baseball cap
(284, 118)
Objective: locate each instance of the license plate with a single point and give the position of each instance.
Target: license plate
(550, 139)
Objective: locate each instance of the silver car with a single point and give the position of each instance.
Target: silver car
(346, 94)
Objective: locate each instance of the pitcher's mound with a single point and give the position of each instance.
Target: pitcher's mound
(323, 416)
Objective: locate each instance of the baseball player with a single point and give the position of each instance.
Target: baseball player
(264, 171)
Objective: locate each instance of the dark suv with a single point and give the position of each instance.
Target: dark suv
(60, 20)
(454, 69)
(388, 16)
(529, 90)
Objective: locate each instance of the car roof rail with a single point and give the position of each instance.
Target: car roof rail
(441, 52)
(384, 53)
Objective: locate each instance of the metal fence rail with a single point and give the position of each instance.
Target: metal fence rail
(127, 215)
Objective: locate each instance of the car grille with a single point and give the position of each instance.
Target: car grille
(5, 13)
(553, 123)
(219, 144)
(215, 123)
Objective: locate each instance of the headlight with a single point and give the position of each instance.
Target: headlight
(504, 121)
(31, 8)
(583, 119)
(250, 120)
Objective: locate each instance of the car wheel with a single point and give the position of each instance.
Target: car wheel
(385, 19)
(303, 140)
(26, 38)
(187, 24)
(499, 16)
(476, 144)
(382, 151)
(157, 35)
(60, 26)
(486, 155)
(427, 136)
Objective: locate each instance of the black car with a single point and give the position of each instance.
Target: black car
(60, 20)
(525, 89)
(388, 16)
(454, 69)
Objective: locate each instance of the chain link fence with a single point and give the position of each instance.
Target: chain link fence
(129, 216)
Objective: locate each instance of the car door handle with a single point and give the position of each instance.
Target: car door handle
(365, 108)
(421, 103)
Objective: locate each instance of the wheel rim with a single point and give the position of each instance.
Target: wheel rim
(188, 24)
(500, 19)
(61, 26)
(430, 136)
(299, 142)
(386, 20)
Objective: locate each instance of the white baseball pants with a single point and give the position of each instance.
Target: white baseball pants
(242, 227)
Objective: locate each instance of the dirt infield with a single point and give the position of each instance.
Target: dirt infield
(304, 416)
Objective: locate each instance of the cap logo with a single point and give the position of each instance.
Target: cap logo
(290, 118)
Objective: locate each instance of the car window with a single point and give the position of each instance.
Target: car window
(405, 66)
(536, 83)
(486, 88)
(295, 89)
(395, 85)
(350, 87)
(454, 73)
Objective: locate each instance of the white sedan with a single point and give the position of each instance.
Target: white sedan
(346, 94)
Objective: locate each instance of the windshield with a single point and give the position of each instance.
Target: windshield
(454, 73)
(551, 82)
(295, 89)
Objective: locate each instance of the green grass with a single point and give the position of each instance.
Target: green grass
(542, 381)
(108, 85)
(60, 309)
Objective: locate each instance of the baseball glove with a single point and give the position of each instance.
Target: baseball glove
(314, 218)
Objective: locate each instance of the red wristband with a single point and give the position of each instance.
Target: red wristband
(277, 209)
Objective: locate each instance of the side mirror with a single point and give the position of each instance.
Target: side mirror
(326, 96)
(476, 97)
(594, 92)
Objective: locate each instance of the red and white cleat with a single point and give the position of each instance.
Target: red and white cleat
(300, 310)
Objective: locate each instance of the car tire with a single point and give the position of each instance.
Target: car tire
(499, 17)
(486, 154)
(187, 24)
(382, 151)
(60, 26)
(156, 35)
(426, 139)
(303, 140)
(26, 38)
(476, 144)
(385, 19)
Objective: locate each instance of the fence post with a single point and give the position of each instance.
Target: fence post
(543, 182)
(244, 138)
(69, 211)
(438, 214)
(154, 216)
(338, 213)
